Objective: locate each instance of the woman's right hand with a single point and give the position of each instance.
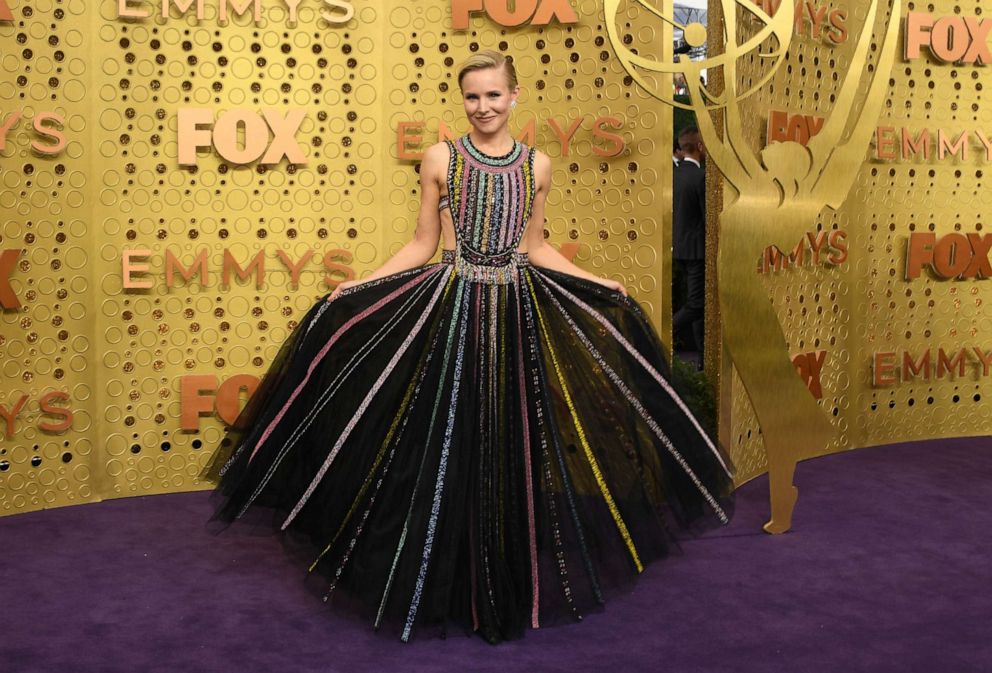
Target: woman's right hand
(343, 285)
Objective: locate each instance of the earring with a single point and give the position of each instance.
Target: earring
(513, 103)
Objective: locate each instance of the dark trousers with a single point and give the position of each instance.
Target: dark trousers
(687, 322)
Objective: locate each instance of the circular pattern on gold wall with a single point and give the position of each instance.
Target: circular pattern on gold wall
(120, 353)
(865, 306)
(43, 340)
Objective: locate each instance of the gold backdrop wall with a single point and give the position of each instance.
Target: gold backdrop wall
(116, 364)
(889, 346)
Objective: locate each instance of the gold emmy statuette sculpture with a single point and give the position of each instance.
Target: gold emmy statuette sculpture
(779, 194)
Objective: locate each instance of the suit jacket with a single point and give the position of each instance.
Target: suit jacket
(689, 211)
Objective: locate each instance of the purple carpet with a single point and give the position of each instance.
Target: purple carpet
(889, 568)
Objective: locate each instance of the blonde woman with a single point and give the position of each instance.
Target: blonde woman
(489, 442)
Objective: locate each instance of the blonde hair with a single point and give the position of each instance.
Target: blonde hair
(489, 59)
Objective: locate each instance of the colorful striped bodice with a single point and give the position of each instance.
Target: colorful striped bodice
(490, 200)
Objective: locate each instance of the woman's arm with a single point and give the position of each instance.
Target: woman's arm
(539, 251)
(419, 250)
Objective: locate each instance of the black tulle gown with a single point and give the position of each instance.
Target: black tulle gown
(477, 442)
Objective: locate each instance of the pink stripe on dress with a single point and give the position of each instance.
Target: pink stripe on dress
(323, 351)
(373, 391)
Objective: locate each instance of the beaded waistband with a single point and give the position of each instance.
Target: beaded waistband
(502, 272)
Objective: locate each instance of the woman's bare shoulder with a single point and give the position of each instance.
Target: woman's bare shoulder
(542, 164)
(437, 152)
(435, 158)
(435, 161)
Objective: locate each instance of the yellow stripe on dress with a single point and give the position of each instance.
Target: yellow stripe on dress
(597, 472)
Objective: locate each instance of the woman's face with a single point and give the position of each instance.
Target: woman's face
(487, 98)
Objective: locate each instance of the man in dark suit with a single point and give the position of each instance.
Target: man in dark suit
(689, 237)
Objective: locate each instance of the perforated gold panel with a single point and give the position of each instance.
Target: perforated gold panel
(162, 262)
(46, 342)
(863, 313)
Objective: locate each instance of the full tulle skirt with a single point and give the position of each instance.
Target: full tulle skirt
(491, 456)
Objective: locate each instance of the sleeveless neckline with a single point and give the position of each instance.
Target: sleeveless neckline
(489, 159)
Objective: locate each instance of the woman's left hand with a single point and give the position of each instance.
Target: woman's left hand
(614, 285)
